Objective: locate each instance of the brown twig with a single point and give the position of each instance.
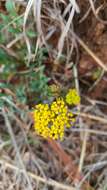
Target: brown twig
(68, 163)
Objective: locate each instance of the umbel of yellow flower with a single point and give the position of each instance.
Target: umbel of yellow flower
(50, 120)
(72, 97)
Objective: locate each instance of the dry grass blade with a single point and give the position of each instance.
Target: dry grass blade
(82, 156)
(90, 52)
(92, 169)
(38, 178)
(93, 117)
(16, 147)
(14, 41)
(75, 5)
(98, 80)
(38, 5)
(65, 30)
(95, 13)
(92, 131)
(28, 8)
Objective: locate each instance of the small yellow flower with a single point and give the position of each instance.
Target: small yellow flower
(51, 120)
(72, 97)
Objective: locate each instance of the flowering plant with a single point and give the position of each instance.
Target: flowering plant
(50, 120)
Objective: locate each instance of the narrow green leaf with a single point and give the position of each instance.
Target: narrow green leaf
(10, 6)
(31, 34)
(4, 85)
(5, 18)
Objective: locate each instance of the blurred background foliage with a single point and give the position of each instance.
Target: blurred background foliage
(28, 82)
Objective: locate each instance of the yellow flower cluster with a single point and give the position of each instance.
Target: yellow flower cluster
(72, 97)
(51, 120)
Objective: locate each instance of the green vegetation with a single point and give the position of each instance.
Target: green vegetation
(28, 82)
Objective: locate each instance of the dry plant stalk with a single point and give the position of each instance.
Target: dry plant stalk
(70, 168)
